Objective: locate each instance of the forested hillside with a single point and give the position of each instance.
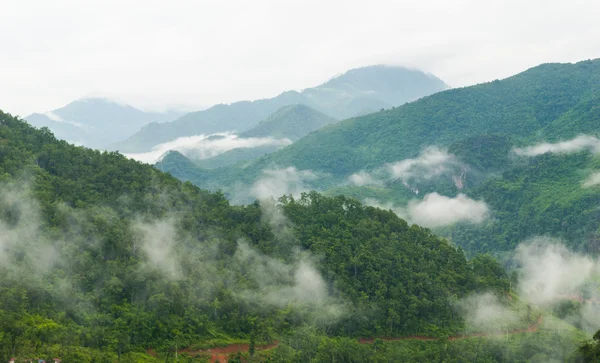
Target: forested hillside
(104, 258)
(549, 101)
(469, 137)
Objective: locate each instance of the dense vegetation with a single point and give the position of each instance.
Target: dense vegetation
(479, 126)
(544, 196)
(104, 257)
(554, 101)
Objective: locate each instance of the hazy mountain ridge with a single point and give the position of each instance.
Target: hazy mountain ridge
(521, 106)
(476, 130)
(336, 100)
(97, 122)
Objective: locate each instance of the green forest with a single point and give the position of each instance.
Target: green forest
(105, 259)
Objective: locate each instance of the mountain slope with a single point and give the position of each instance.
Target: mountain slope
(526, 106)
(96, 122)
(290, 122)
(357, 91)
(104, 257)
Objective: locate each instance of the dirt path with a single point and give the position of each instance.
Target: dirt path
(221, 354)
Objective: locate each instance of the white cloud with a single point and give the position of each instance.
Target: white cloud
(485, 313)
(550, 270)
(364, 179)
(277, 182)
(431, 163)
(203, 146)
(436, 210)
(551, 274)
(592, 180)
(580, 143)
(157, 240)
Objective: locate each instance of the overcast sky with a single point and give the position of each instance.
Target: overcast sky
(157, 54)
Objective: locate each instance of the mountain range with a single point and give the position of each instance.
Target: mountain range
(358, 91)
(470, 133)
(97, 122)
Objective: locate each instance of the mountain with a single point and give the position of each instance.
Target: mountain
(478, 126)
(358, 91)
(524, 106)
(233, 156)
(290, 122)
(97, 122)
(105, 258)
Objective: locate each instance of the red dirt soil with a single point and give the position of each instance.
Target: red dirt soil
(221, 354)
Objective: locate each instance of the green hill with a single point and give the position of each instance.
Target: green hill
(290, 122)
(104, 257)
(527, 106)
(479, 126)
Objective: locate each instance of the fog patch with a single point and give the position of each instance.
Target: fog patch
(436, 210)
(363, 178)
(592, 180)
(23, 246)
(552, 274)
(277, 182)
(549, 270)
(432, 162)
(485, 312)
(206, 146)
(580, 143)
(290, 281)
(157, 240)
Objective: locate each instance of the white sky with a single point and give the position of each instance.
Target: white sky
(157, 54)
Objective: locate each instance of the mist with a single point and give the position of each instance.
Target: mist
(436, 210)
(432, 162)
(484, 312)
(206, 146)
(580, 143)
(274, 183)
(592, 180)
(363, 178)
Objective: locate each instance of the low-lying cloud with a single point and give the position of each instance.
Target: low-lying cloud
(363, 178)
(549, 270)
(277, 182)
(157, 240)
(206, 146)
(580, 143)
(485, 312)
(551, 274)
(592, 180)
(432, 162)
(436, 210)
